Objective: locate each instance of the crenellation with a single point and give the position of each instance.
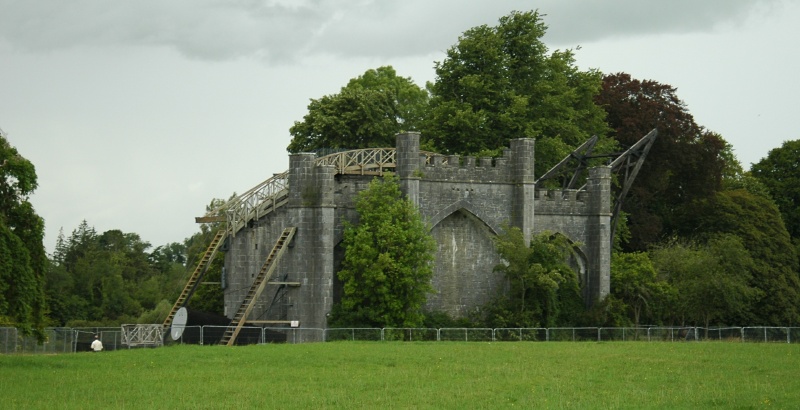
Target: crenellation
(454, 161)
(466, 200)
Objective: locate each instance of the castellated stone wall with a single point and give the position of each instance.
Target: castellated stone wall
(465, 200)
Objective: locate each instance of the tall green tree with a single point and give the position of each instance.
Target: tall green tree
(387, 265)
(366, 113)
(757, 221)
(499, 83)
(780, 172)
(111, 278)
(635, 283)
(22, 256)
(543, 289)
(713, 280)
(686, 162)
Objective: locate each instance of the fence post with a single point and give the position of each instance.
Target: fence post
(741, 330)
(598, 333)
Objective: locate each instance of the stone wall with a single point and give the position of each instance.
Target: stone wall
(466, 200)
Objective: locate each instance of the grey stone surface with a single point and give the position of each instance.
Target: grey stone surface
(466, 201)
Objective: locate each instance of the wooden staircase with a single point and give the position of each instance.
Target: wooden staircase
(229, 337)
(198, 274)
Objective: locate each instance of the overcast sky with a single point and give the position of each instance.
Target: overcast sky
(137, 113)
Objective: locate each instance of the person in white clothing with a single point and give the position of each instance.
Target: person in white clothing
(97, 345)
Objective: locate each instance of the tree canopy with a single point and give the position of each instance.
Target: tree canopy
(367, 113)
(499, 83)
(543, 289)
(712, 282)
(757, 222)
(22, 256)
(112, 278)
(635, 283)
(387, 266)
(686, 162)
(780, 173)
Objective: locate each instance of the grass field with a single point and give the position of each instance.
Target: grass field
(411, 375)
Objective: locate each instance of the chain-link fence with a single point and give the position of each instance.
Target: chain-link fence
(75, 340)
(59, 340)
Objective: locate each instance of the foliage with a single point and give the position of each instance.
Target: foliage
(712, 281)
(543, 290)
(366, 113)
(499, 83)
(757, 222)
(387, 265)
(635, 284)
(780, 173)
(22, 256)
(686, 162)
(110, 278)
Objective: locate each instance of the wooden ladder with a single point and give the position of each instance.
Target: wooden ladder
(229, 337)
(198, 273)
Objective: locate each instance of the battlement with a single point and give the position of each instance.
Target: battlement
(560, 202)
(466, 200)
(456, 168)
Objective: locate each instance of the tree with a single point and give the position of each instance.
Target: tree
(543, 289)
(780, 172)
(367, 113)
(499, 83)
(387, 266)
(22, 256)
(685, 163)
(756, 220)
(712, 280)
(110, 278)
(635, 283)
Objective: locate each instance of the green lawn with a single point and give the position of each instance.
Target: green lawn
(453, 375)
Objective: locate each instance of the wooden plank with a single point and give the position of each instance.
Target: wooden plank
(284, 283)
(209, 219)
(269, 322)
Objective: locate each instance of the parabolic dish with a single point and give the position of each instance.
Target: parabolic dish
(179, 323)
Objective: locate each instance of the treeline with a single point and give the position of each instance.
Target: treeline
(111, 278)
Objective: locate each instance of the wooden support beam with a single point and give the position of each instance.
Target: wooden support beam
(285, 283)
(209, 219)
(269, 322)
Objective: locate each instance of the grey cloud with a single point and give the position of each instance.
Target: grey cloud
(286, 30)
(199, 29)
(595, 20)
